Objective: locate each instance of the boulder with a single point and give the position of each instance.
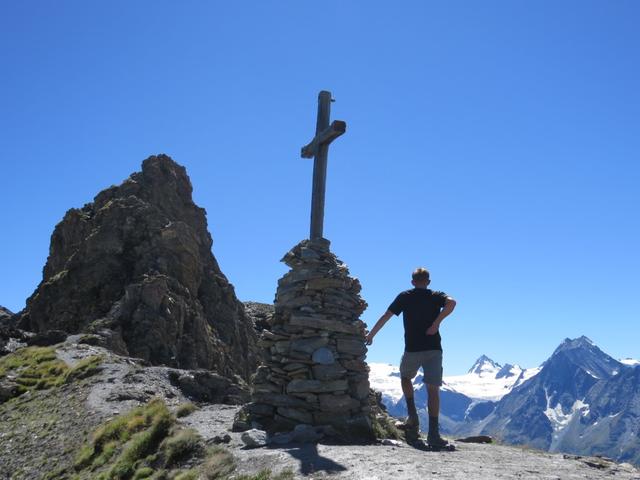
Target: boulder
(207, 386)
(8, 389)
(303, 433)
(47, 338)
(254, 438)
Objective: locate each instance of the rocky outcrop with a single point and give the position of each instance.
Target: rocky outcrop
(11, 338)
(5, 315)
(136, 268)
(314, 371)
(260, 314)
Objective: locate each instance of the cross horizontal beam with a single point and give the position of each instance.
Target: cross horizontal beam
(328, 135)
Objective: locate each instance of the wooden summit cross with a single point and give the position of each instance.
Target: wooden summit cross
(319, 148)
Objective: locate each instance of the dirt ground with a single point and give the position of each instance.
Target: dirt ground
(402, 462)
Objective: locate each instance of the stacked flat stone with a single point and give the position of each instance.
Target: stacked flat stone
(314, 369)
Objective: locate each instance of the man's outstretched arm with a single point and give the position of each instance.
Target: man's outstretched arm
(449, 305)
(379, 324)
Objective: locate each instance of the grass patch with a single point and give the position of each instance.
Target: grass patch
(188, 475)
(39, 368)
(182, 445)
(34, 368)
(384, 427)
(268, 475)
(185, 409)
(219, 463)
(135, 435)
(144, 472)
(148, 443)
(85, 368)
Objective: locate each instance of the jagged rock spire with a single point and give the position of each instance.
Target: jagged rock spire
(135, 267)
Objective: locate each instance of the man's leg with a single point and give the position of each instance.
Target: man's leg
(408, 369)
(433, 378)
(434, 400)
(433, 403)
(407, 389)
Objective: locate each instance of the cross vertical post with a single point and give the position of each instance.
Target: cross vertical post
(320, 168)
(319, 148)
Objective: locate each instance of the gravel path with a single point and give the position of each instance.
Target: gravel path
(401, 462)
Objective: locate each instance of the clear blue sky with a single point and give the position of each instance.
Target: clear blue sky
(496, 143)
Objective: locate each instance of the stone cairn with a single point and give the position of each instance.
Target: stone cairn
(314, 369)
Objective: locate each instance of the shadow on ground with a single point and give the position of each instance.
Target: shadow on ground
(311, 461)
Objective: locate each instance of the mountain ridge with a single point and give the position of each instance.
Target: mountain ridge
(551, 407)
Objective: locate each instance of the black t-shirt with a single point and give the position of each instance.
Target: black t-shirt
(420, 307)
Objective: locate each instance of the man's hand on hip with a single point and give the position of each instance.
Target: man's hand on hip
(432, 330)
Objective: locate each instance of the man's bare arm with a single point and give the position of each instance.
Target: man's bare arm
(379, 324)
(449, 305)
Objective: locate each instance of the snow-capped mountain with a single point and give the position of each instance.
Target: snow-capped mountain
(580, 401)
(486, 380)
(385, 378)
(468, 397)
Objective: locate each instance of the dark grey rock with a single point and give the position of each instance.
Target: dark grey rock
(280, 438)
(316, 386)
(476, 439)
(8, 389)
(303, 433)
(298, 415)
(337, 403)
(254, 438)
(47, 338)
(323, 356)
(351, 347)
(308, 345)
(12, 338)
(207, 386)
(261, 314)
(328, 372)
(5, 316)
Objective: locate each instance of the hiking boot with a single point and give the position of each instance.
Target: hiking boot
(412, 422)
(412, 436)
(436, 441)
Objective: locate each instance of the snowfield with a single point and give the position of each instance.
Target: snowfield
(486, 380)
(632, 362)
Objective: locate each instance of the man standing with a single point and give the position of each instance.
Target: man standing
(423, 311)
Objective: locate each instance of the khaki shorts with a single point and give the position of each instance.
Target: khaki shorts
(429, 360)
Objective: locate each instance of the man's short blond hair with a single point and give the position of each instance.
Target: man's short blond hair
(420, 275)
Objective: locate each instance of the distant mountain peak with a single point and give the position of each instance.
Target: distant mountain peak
(581, 341)
(586, 355)
(484, 364)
